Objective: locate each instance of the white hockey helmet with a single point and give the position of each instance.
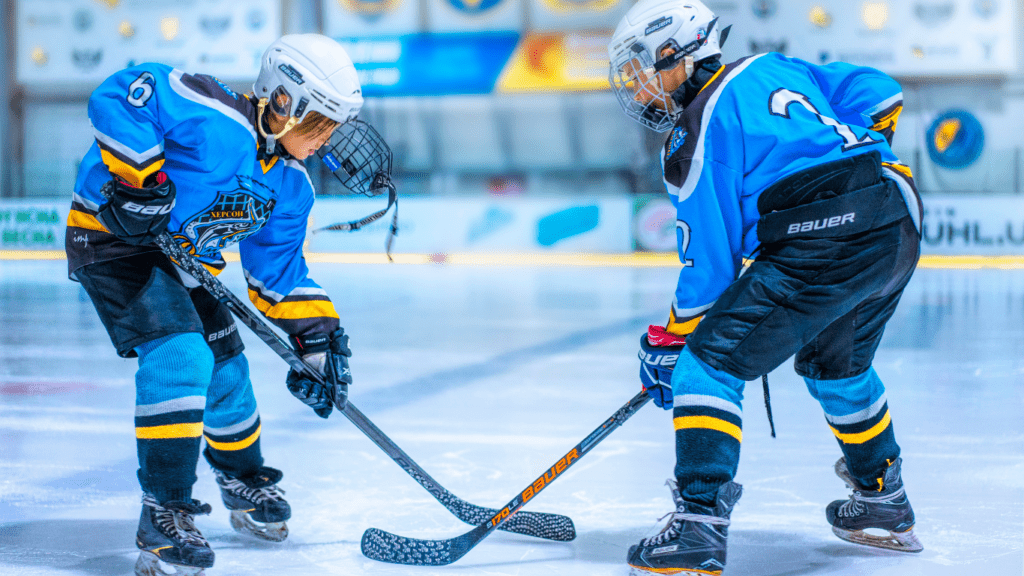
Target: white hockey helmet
(649, 27)
(314, 73)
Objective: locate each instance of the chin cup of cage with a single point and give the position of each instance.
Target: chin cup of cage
(637, 85)
(359, 158)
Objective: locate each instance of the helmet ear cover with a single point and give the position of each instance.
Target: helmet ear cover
(671, 60)
(281, 102)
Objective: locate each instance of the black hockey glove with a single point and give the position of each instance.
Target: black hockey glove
(137, 215)
(329, 354)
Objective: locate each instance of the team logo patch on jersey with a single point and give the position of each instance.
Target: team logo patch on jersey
(225, 88)
(677, 139)
(232, 217)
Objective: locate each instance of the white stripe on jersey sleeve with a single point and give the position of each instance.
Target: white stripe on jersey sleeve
(697, 163)
(136, 157)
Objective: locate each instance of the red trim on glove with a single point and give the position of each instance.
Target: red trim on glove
(660, 336)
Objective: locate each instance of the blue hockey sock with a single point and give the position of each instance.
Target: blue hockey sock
(232, 422)
(708, 423)
(170, 396)
(858, 415)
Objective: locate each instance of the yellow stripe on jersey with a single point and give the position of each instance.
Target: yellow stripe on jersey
(185, 430)
(709, 423)
(862, 437)
(237, 445)
(901, 168)
(131, 174)
(79, 219)
(708, 83)
(268, 165)
(888, 121)
(298, 310)
(681, 328)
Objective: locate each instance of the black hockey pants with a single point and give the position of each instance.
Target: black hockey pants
(838, 247)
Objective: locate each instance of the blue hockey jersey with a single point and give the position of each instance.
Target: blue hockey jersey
(152, 117)
(758, 120)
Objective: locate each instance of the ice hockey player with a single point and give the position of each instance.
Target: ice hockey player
(183, 153)
(787, 166)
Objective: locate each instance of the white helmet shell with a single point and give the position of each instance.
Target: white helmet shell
(315, 72)
(658, 24)
(688, 27)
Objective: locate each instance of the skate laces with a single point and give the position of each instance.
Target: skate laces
(257, 495)
(855, 506)
(680, 515)
(176, 519)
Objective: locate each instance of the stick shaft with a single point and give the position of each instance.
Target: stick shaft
(387, 547)
(550, 526)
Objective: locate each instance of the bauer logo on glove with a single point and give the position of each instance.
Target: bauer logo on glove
(659, 351)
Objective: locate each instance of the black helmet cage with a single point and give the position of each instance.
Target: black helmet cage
(359, 158)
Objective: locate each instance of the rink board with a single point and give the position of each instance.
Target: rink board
(609, 225)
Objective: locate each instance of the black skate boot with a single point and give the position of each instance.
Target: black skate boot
(169, 539)
(693, 541)
(257, 505)
(886, 509)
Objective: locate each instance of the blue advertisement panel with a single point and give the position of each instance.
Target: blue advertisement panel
(430, 64)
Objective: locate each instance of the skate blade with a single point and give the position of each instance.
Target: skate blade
(150, 564)
(899, 541)
(638, 571)
(271, 531)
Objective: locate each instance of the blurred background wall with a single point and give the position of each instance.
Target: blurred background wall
(509, 98)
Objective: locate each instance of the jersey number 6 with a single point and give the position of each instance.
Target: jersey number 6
(140, 90)
(778, 105)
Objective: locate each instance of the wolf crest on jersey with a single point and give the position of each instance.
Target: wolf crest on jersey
(232, 217)
(675, 141)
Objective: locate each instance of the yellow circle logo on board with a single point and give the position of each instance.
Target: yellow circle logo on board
(370, 7)
(569, 6)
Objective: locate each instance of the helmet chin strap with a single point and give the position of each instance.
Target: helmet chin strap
(688, 66)
(272, 138)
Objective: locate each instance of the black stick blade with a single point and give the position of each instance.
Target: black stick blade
(537, 524)
(387, 547)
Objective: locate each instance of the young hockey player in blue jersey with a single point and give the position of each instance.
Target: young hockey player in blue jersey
(786, 165)
(184, 154)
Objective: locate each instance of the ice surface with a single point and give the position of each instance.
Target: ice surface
(486, 376)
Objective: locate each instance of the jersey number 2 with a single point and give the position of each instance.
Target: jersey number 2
(140, 90)
(684, 242)
(778, 104)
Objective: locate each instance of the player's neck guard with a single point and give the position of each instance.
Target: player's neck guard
(703, 72)
(271, 137)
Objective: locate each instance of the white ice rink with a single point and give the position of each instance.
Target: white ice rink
(486, 376)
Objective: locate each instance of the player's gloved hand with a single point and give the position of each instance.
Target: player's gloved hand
(137, 215)
(659, 351)
(328, 353)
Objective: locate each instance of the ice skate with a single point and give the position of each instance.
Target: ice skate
(692, 543)
(171, 544)
(257, 504)
(885, 510)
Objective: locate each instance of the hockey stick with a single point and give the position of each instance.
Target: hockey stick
(539, 524)
(387, 547)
